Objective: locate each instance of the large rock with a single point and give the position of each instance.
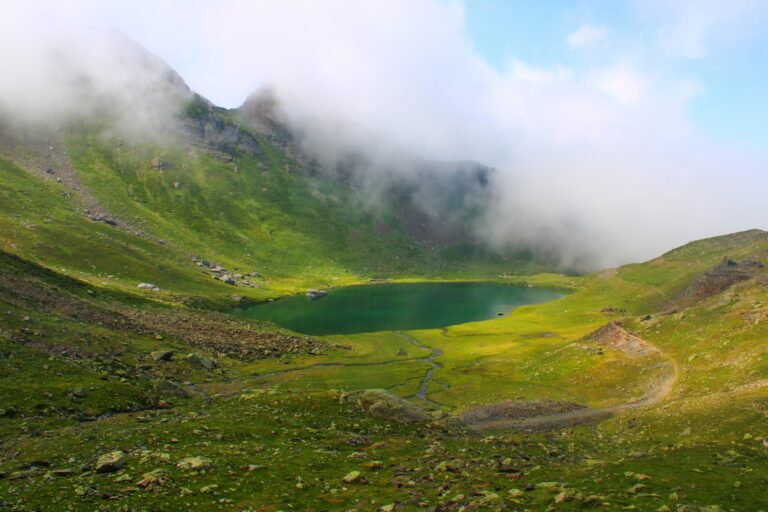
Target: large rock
(161, 164)
(226, 278)
(149, 286)
(110, 462)
(169, 388)
(194, 464)
(198, 359)
(380, 403)
(155, 478)
(162, 355)
(314, 294)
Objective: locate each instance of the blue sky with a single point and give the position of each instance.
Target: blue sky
(734, 71)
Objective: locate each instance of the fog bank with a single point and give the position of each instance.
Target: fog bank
(599, 161)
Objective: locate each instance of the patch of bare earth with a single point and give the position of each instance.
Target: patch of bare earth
(512, 410)
(551, 415)
(717, 280)
(613, 336)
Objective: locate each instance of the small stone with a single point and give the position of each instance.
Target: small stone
(64, 472)
(353, 477)
(446, 467)
(549, 486)
(20, 475)
(563, 496)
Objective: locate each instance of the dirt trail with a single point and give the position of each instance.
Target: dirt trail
(659, 390)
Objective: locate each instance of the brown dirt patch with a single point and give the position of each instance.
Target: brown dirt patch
(512, 410)
(613, 336)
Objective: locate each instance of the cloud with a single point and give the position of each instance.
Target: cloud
(56, 68)
(598, 161)
(622, 82)
(586, 35)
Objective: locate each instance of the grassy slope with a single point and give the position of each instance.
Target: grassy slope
(701, 445)
(244, 213)
(708, 432)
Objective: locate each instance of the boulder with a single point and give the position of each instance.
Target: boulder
(226, 278)
(162, 355)
(160, 164)
(170, 388)
(155, 478)
(194, 464)
(198, 359)
(110, 462)
(380, 403)
(314, 294)
(148, 286)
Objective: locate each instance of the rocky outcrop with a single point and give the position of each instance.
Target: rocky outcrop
(208, 127)
(717, 280)
(613, 336)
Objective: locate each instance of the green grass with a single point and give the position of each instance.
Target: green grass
(73, 388)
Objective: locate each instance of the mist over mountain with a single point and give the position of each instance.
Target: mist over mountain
(590, 167)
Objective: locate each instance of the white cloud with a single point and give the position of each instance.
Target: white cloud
(597, 163)
(622, 82)
(587, 35)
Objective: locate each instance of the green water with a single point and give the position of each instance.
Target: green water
(396, 307)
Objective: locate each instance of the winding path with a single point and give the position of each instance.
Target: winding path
(659, 390)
